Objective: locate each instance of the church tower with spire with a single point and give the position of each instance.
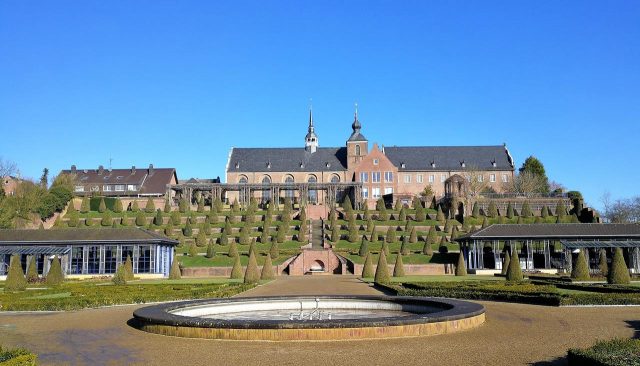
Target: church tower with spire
(357, 144)
(311, 140)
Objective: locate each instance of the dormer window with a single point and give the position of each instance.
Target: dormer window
(375, 161)
(301, 165)
(268, 165)
(402, 165)
(433, 164)
(237, 165)
(493, 163)
(328, 165)
(462, 164)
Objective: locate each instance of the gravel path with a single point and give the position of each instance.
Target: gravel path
(514, 334)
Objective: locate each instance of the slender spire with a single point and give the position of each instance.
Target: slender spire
(311, 116)
(311, 140)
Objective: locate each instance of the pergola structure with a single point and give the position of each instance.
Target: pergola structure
(536, 245)
(269, 190)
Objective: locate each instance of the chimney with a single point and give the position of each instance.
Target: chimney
(150, 169)
(73, 169)
(100, 170)
(133, 170)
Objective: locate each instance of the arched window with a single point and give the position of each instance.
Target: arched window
(336, 179)
(289, 192)
(313, 194)
(266, 192)
(243, 180)
(357, 150)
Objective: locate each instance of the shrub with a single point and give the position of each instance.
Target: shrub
(505, 262)
(134, 206)
(398, 269)
(251, 274)
(193, 251)
(373, 238)
(382, 271)
(382, 210)
(391, 235)
(175, 218)
(492, 210)
(211, 251)
(106, 220)
(413, 237)
(244, 235)
(141, 220)
(510, 213)
(461, 268)
(404, 247)
(117, 206)
(561, 209)
(485, 223)
(520, 220)
(16, 280)
(233, 250)
(183, 206)
(514, 272)
(427, 249)
(167, 206)
(55, 275)
(346, 204)
(366, 215)
(84, 206)
(544, 212)
(200, 205)
(103, 206)
(282, 232)
(174, 273)
(367, 269)
(385, 248)
(32, 270)
(252, 247)
(602, 263)
(618, 273)
(124, 220)
(476, 210)
(274, 251)
(364, 247)
(580, 271)
(615, 352)
(420, 214)
(440, 215)
(403, 215)
(267, 269)
(73, 219)
(120, 277)
(302, 234)
(150, 206)
(526, 210)
(158, 220)
(128, 268)
(224, 239)
(188, 230)
(236, 271)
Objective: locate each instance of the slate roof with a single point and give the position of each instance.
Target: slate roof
(150, 180)
(287, 159)
(357, 136)
(554, 231)
(88, 235)
(418, 158)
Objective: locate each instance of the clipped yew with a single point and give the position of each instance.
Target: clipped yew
(274, 251)
(398, 268)
(128, 268)
(16, 281)
(364, 247)
(211, 250)
(117, 206)
(120, 277)
(618, 273)
(102, 207)
(382, 270)
(84, 206)
(267, 269)
(580, 270)
(158, 220)
(602, 262)
(32, 270)
(141, 220)
(251, 274)
(367, 269)
(461, 268)
(150, 206)
(514, 272)
(505, 262)
(174, 272)
(55, 276)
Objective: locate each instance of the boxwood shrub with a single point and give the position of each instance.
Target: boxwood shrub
(16, 357)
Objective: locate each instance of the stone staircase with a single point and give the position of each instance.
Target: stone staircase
(317, 235)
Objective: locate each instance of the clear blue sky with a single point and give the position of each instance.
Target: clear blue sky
(179, 83)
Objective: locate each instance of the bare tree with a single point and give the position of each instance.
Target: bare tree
(7, 168)
(475, 181)
(556, 186)
(622, 210)
(525, 183)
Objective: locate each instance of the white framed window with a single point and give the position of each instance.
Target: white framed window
(419, 178)
(505, 178)
(79, 188)
(95, 188)
(407, 178)
(375, 177)
(432, 178)
(388, 190)
(388, 177)
(106, 188)
(492, 178)
(365, 193)
(443, 177)
(364, 176)
(376, 161)
(376, 192)
(119, 187)
(131, 187)
(480, 178)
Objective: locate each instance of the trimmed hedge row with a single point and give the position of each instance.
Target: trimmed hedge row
(615, 352)
(79, 296)
(16, 357)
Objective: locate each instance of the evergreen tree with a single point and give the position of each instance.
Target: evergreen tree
(382, 270)
(364, 247)
(505, 262)
(398, 206)
(461, 268)
(233, 249)
(443, 245)
(251, 274)
(174, 273)
(244, 235)
(561, 209)
(71, 207)
(493, 210)
(544, 213)
(200, 205)
(403, 215)
(175, 218)
(141, 220)
(510, 213)
(264, 235)
(211, 250)
(227, 228)
(88, 221)
(302, 233)
(168, 230)
(385, 248)
(201, 239)
(32, 270)
(236, 271)
(117, 206)
(84, 207)
(526, 210)
(106, 219)
(367, 215)
(335, 235)
(150, 206)
(413, 237)
(520, 220)
(16, 281)
(619, 272)
(427, 249)
(73, 219)
(102, 207)
(602, 263)
(514, 272)
(391, 235)
(193, 251)
(382, 210)
(353, 230)
(431, 236)
(188, 230)
(281, 234)
(274, 251)
(538, 220)
(206, 228)
(447, 227)
(476, 210)
(346, 204)
(224, 239)
(580, 270)
(128, 268)
(534, 167)
(55, 275)
(404, 248)
(167, 206)
(440, 215)
(502, 220)
(124, 221)
(367, 269)
(420, 214)
(158, 220)
(267, 269)
(134, 206)
(398, 269)
(183, 206)
(120, 277)
(252, 247)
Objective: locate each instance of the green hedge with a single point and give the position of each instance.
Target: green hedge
(16, 357)
(94, 203)
(73, 296)
(615, 352)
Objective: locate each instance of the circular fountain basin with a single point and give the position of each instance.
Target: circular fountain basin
(310, 317)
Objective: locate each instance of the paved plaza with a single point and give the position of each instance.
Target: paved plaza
(514, 334)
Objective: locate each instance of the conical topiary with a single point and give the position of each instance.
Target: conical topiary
(141, 220)
(120, 277)
(485, 222)
(102, 207)
(211, 250)
(16, 281)
(391, 235)
(382, 270)
(150, 206)
(492, 210)
(193, 250)
(84, 206)
(514, 272)
(364, 247)
(475, 212)
(32, 270)
(427, 249)
(367, 269)
(167, 206)
(440, 215)
(580, 270)
(128, 268)
(174, 273)
(510, 212)
(201, 239)
(618, 273)
(461, 267)
(413, 237)
(55, 275)
(251, 274)
(134, 206)
(117, 206)
(385, 248)
(602, 263)
(233, 249)
(398, 269)
(158, 220)
(404, 247)
(267, 269)
(274, 251)
(236, 271)
(505, 262)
